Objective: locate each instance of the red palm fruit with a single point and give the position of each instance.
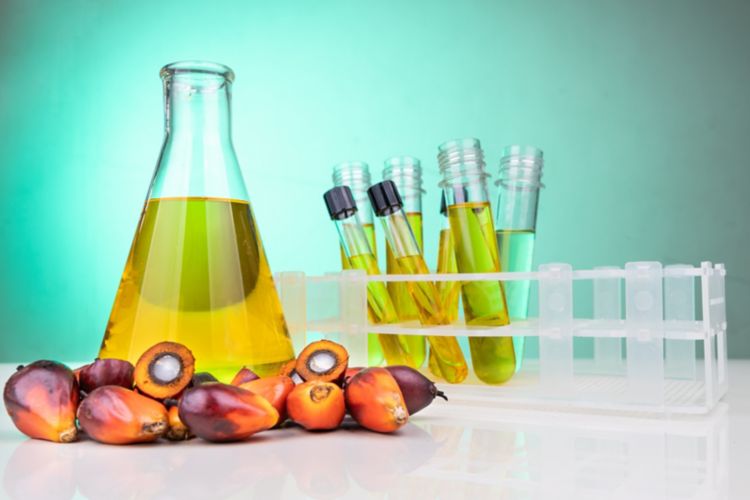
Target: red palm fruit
(418, 390)
(41, 399)
(244, 375)
(223, 412)
(106, 372)
(374, 400)
(350, 372)
(274, 389)
(114, 415)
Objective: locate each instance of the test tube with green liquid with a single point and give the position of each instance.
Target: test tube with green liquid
(519, 181)
(353, 239)
(388, 206)
(464, 184)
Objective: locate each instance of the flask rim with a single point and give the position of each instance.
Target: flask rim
(198, 68)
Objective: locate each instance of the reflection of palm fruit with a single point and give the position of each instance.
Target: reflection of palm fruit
(41, 399)
(222, 412)
(115, 415)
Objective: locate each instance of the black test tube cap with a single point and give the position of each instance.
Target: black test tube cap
(385, 198)
(340, 202)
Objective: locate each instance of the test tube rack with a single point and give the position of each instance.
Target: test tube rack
(657, 345)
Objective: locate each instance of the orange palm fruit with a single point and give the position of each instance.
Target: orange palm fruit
(114, 415)
(288, 368)
(41, 399)
(274, 389)
(223, 412)
(322, 360)
(316, 405)
(177, 430)
(375, 401)
(244, 375)
(164, 370)
(350, 372)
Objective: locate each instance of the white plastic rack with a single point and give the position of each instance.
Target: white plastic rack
(657, 345)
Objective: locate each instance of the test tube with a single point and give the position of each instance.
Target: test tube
(352, 237)
(388, 206)
(519, 182)
(465, 187)
(406, 174)
(356, 175)
(449, 290)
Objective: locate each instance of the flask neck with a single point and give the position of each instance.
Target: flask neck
(197, 110)
(197, 158)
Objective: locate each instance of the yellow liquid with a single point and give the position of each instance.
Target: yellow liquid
(493, 358)
(449, 290)
(447, 354)
(197, 274)
(402, 299)
(374, 351)
(382, 311)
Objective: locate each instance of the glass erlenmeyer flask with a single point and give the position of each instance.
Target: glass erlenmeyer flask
(197, 272)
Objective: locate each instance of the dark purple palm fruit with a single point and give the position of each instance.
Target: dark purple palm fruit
(106, 372)
(418, 390)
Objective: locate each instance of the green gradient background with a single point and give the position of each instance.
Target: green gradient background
(642, 109)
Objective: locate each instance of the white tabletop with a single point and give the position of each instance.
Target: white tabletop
(446, 451)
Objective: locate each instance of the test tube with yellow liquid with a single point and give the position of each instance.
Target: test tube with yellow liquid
(356, 175)
(406, 174)
(465, 187)
(449, 291)
(353, 239)
(388, 206)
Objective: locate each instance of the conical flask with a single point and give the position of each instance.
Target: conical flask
(197, 272)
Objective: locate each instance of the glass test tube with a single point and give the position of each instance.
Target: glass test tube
(343, 211)
(449, 290)
(519, 182)
(465, 188)
(356, 175)
(388, 206)
(406, 174)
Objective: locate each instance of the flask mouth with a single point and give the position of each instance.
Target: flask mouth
(197, 72)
